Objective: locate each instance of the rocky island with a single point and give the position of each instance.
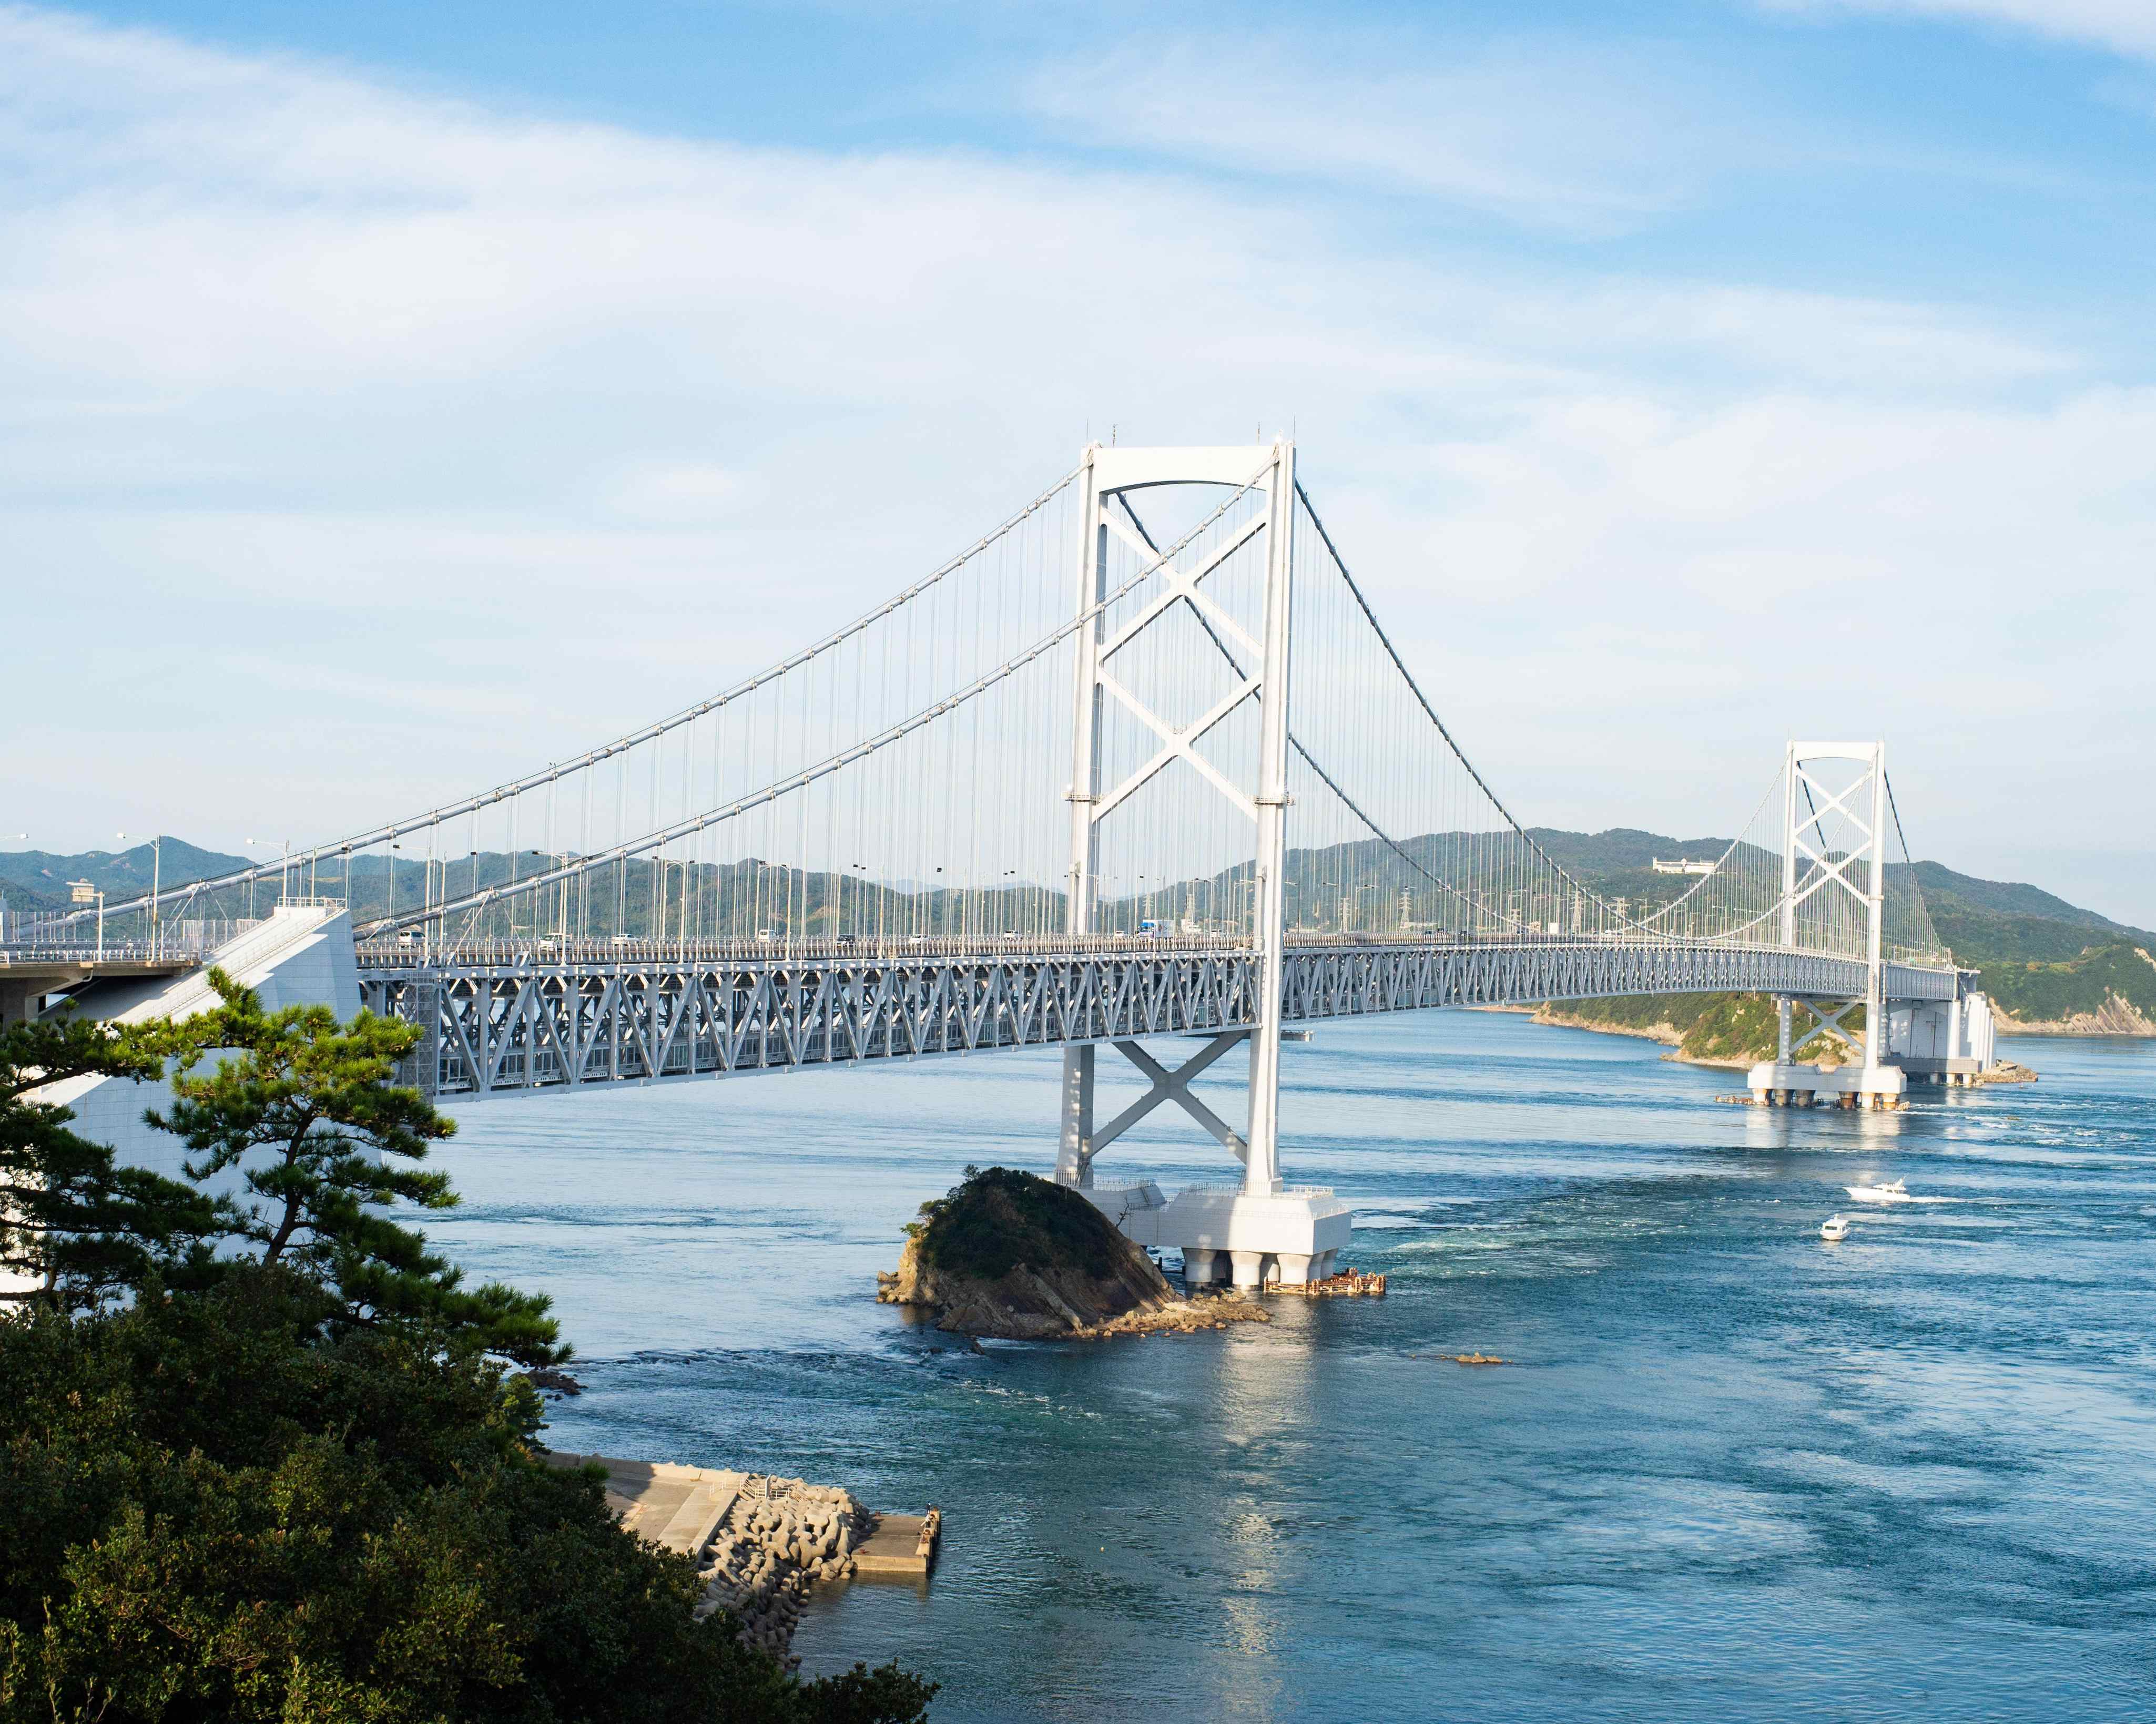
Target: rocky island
(1010, 1255)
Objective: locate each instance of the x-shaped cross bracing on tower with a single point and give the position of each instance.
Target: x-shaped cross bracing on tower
(1808, 838)
(1830, 871)
(1174, 1085)
(1109, 475)
(1823, 1020)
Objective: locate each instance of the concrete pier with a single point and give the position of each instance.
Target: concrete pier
(1775, 1084)
(1292, 1236)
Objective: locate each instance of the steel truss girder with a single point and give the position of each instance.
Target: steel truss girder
(506, 1029)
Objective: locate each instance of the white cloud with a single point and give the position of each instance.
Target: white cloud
(2127, 27)
(1533, 132)
(573, 424)
(681, 490)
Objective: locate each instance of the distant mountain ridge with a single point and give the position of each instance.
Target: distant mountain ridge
(2001, 897)
(38, 880)
(1622, 849)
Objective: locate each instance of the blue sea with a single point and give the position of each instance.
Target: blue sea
(1732, 1472)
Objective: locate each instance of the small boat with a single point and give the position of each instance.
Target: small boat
(1834, 1228)
(1894, 1191)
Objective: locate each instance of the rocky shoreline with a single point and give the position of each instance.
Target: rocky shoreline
(1028, 1304)
(1666, 1033)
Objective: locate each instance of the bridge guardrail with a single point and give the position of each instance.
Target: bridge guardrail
(408, 953)
(186, 942)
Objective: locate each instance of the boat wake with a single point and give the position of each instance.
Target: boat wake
(1893, 1192)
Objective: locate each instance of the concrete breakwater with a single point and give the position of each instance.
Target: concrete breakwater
(762, 1544)
(778, 1539)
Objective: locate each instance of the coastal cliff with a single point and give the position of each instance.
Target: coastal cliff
(2114, 1015)
(1008, 1254)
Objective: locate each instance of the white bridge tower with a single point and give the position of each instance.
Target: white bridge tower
(1812, 865)
(1263, 1230)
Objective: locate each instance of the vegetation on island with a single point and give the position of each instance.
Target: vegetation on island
(1006, 1253)
(2043, 960)
(996, 1219)
(267, 1457)
(2106, 987)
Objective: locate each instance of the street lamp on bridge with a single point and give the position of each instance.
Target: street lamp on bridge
(284, 871)
(156, 870)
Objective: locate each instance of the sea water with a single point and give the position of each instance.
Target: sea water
(1728, 1472)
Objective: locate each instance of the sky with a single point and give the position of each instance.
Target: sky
(396, 397)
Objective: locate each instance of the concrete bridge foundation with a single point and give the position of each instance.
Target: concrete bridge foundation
(1293, 1236)
(1782, 1083)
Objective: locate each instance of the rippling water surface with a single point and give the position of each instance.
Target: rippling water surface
(1731, 1473)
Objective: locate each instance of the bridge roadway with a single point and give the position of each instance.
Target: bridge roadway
(510, 1020)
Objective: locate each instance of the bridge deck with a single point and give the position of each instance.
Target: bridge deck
(507, 1024)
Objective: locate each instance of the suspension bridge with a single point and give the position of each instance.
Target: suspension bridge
(1141, 762)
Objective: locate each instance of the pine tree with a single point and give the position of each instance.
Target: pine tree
(76, 1229)
(304, 1109)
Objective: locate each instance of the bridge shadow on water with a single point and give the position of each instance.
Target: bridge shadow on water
(1730, 1471)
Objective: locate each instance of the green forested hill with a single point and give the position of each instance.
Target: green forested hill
(2043, 960)
(38, 880)
(1966, 894)
(1739, 1027)
(2112, 986)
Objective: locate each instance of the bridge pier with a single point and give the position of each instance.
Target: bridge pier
(1074, 1160)
(1774, 1084)
(1263, 1235)
(1948, 1043)
(1225, 1233)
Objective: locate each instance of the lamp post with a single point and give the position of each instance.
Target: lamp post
(560, 858)
(156, 870)
(284, 869)
(20, 838)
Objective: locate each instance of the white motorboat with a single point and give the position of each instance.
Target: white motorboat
(1893, 1192)
(1834, 1228)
